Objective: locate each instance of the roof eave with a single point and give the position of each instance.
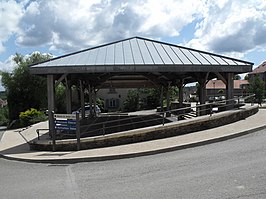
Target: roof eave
(138, 68)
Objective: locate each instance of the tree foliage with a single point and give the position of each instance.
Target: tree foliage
(237, 77)
(132, 101)
(25, 91)
(60, 98)
(148, 98)
(3, 116)
(257, 86)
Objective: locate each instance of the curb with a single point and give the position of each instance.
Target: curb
(133, 155)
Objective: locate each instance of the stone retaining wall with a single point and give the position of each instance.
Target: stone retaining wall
(150, 133)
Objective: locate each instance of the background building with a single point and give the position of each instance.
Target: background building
(216, 89)
(260, 72)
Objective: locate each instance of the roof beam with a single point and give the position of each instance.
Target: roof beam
(60, 79)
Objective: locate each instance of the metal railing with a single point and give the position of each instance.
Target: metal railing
(102, 128)
(160, 118)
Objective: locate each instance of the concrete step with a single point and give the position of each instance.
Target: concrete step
(190, 115)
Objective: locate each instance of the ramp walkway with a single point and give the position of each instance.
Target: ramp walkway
(14, 143)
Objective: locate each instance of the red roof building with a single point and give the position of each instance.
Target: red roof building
(260, 72)
(260, 69)
(218, 84)
(216, 89)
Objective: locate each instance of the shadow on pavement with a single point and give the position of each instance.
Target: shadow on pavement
(23, 148)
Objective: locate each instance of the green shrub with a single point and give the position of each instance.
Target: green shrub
(31, 116)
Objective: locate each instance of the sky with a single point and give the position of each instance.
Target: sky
(235, 28)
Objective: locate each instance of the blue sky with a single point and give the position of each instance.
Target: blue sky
(235, 28)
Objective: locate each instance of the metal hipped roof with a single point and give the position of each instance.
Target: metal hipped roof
(140, 55)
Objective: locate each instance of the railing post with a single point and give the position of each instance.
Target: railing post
(38, 133)
(211, 109)
(103, 128)
(252, 100)
(163, 118)
(53, 131)
(78, 131)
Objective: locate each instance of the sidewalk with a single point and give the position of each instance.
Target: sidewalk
(13, 144)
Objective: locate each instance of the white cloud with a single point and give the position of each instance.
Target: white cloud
(231, 27)
(71, 25)
(10, 14)
(8, 65)
(167, 18)
(224, 26)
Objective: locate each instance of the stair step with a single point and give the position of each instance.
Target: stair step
(190, 115)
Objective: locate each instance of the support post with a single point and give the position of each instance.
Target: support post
(90, 100)
(68, 97)
(78, 131)
(168, 114)
(82, 101)
(161, 99)
(51, 106)
(230, 90)
(180, 99)
(94, 102)
(181, 93)
(202, 96)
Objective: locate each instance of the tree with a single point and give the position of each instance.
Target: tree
(3, 116)
(237, 77)
(150, 98)
(23, 90)
(173, 92)
(256, 86)
(132, 101)
(60, 98)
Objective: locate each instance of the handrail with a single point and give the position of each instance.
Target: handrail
(120, 121)
(199, 109)
(219, 104)
(120, 125)
(38, 132)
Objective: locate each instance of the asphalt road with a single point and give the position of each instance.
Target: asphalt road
(231, 169)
